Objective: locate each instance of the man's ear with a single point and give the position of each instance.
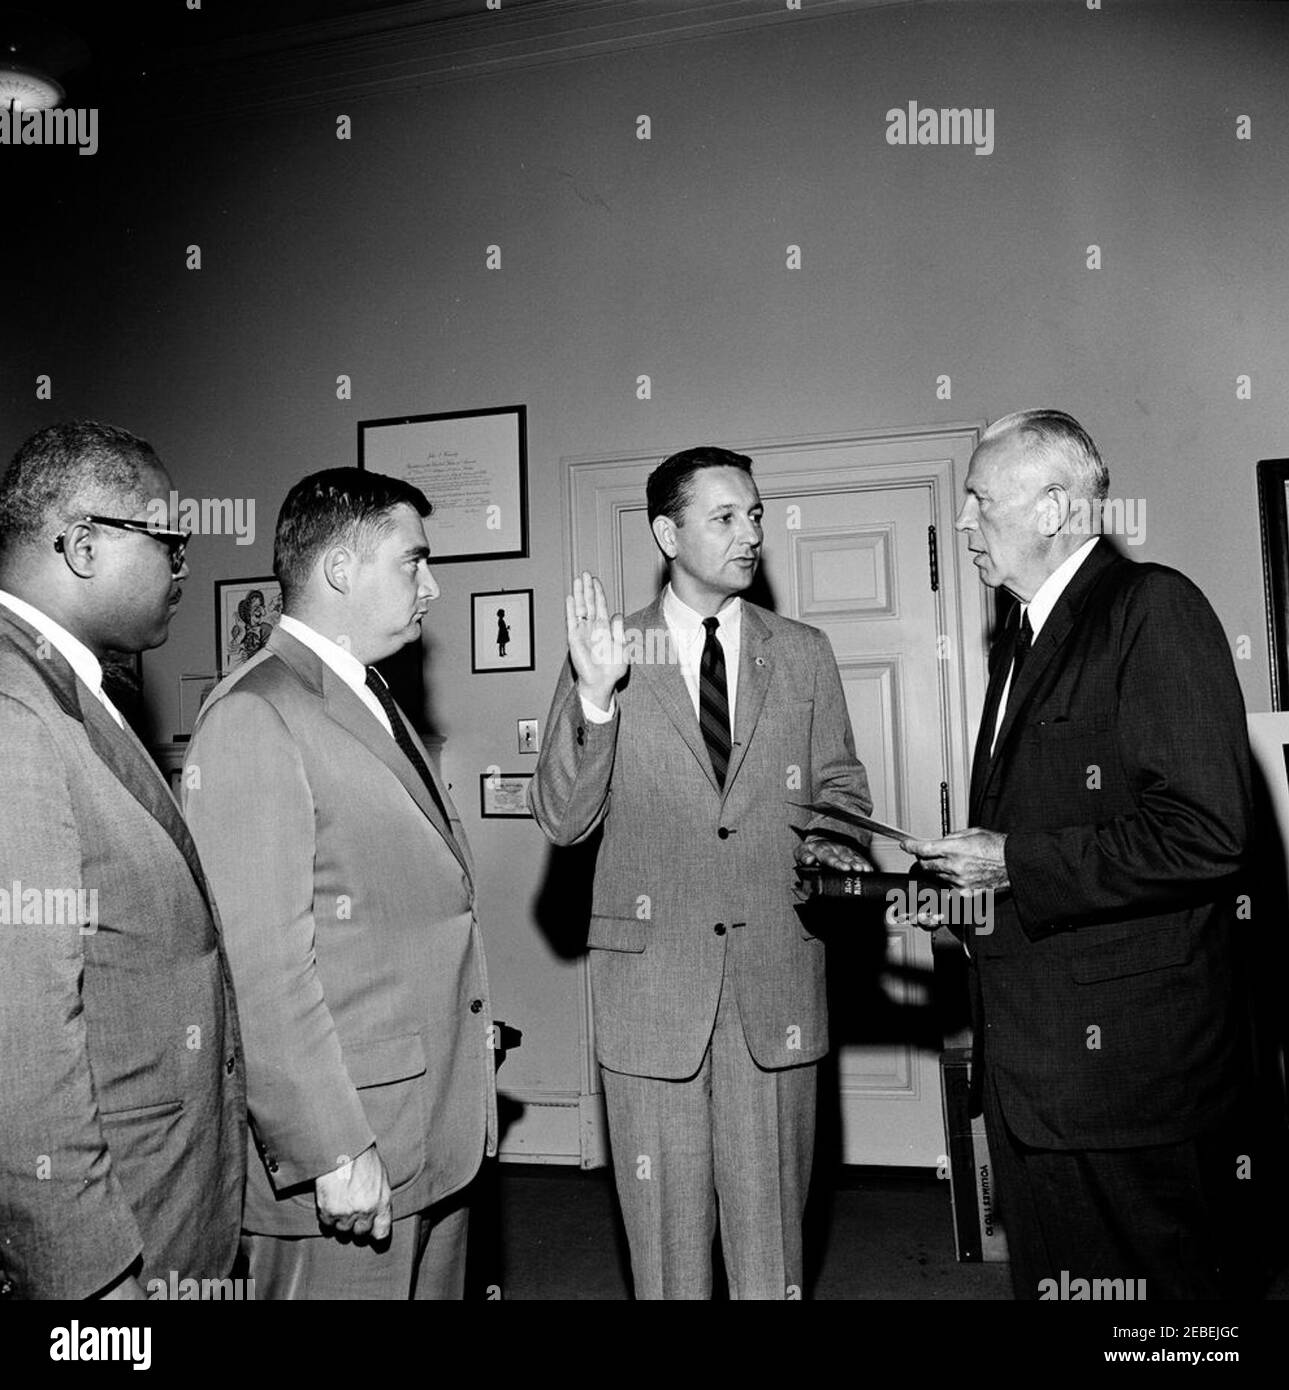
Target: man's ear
(79, 550)
(337, 568)
(1054, 509)
(664, 532)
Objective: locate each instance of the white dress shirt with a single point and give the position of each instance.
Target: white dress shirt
(688, 636)
(79, 657)
(1039, 609)
(345, 664)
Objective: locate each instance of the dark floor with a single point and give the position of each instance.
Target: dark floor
(878, 1234)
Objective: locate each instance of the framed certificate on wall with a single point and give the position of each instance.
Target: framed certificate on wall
(504, 795)
(473, 467)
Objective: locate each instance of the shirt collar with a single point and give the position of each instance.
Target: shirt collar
(689, 623)
(79, 657)
(345, 664)
(1040, 606)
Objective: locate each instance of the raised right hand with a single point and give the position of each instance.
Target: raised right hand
(354, 1198)
(596, 643)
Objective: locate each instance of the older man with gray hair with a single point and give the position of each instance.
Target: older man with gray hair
(1110, 813)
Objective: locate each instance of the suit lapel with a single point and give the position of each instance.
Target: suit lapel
(664, 678)
(668, 685)
(116, 747)
(753, 683)
(343, 706)
(1047, 644)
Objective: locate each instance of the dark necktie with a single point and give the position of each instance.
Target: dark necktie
(376, 684)
(1024, 640)
(714, 702)
(1012, 649)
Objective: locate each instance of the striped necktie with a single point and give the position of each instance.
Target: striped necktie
(714, 702)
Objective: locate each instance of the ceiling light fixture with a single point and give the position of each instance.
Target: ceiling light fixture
(24, 87)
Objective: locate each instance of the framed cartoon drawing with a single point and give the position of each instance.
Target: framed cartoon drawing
(246, 611)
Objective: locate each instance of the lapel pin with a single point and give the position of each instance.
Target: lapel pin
(760, 661)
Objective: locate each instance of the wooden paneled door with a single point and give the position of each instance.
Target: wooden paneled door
(859, 542)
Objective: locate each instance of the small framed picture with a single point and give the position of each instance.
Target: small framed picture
(501, 631)
(246, 611)
(192, 695)
(504, 795)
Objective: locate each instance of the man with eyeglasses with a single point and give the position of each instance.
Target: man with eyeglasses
(122, 1103)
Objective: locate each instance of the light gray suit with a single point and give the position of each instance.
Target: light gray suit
(349, 909)
(122, 1106)
(694, 935)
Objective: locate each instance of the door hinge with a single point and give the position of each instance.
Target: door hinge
(933, 553)
(944, 808)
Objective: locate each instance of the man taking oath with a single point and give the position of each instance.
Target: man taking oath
(694, 735)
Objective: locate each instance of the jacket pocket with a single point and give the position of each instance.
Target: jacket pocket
(141, 1112)
(1145, 950)
(1089, 724)
(382, 1060)
(618, 934)
(386, 1073)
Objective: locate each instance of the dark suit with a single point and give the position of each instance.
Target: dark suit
(122, 1106)
(1106, 1017)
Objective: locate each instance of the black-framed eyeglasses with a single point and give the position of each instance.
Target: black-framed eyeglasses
(176, 542)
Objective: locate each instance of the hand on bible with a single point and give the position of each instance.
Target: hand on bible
(815, 849)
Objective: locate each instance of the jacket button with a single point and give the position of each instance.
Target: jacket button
(272, 1165)
(723, 833)
(719, 929)
(231, 1065)
(476, 1005)
(581, 735)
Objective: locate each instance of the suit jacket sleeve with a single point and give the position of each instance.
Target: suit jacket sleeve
(569, 795)
(66, 1226)
(839, 776)
(252, 817)
(1182, 737)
